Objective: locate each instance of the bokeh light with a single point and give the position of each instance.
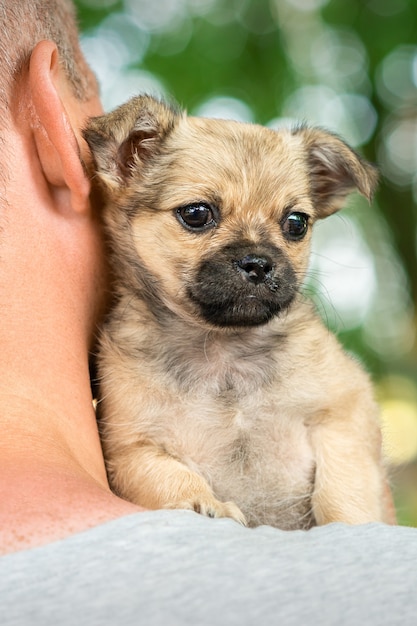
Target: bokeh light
(351, 115)
(398, 398)
(396, 78)
(223, 107)
(339, 57)
(399, 420)
(164, 16)
(342, 272)
(306, 5)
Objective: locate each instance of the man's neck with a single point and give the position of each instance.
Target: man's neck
(52, 475)
(52, 479)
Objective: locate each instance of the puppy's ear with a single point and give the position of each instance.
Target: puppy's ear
(122, 140)
(335, 171)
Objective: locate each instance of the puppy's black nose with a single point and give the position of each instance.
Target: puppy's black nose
(255, 268)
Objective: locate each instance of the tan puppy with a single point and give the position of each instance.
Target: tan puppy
(221, 391)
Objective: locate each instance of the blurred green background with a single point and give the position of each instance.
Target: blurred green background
(348, 65)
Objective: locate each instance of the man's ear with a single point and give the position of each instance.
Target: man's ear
(57, 112)
(123, 140)
(335, 170)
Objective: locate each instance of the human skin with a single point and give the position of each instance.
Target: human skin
(52, 476)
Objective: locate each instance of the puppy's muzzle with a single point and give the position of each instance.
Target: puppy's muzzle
(243, 285)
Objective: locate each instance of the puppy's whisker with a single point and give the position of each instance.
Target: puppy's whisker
(206, 338)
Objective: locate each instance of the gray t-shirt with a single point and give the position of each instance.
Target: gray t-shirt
(176, 568)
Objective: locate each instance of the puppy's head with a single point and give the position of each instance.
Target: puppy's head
(213, 218)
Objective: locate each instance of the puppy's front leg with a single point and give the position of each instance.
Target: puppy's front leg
(148, 476)
(349, 480)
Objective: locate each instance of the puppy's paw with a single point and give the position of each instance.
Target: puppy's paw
(210, 507)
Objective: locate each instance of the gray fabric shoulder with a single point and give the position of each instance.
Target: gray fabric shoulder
(174, 568)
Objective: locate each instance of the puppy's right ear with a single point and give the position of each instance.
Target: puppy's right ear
(122, 140)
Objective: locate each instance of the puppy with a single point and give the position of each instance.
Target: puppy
(220, 389)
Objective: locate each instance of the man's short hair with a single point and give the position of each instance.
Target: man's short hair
(23, 23)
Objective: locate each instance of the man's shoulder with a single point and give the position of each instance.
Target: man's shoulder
(176, 567)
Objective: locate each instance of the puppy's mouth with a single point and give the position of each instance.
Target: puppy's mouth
(243, 286)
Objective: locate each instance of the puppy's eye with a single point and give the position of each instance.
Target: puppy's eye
(295, 226)
(197, 216)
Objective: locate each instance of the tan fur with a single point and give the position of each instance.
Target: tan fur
(269, 422)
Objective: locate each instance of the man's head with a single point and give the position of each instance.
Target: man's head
(49, 229)
(23, 25)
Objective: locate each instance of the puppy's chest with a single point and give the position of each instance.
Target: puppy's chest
(240, 422)
(250, 437)
(227, 413)
(250, 453)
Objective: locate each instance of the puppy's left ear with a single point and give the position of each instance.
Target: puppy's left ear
(123, 140)
(335, 171)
